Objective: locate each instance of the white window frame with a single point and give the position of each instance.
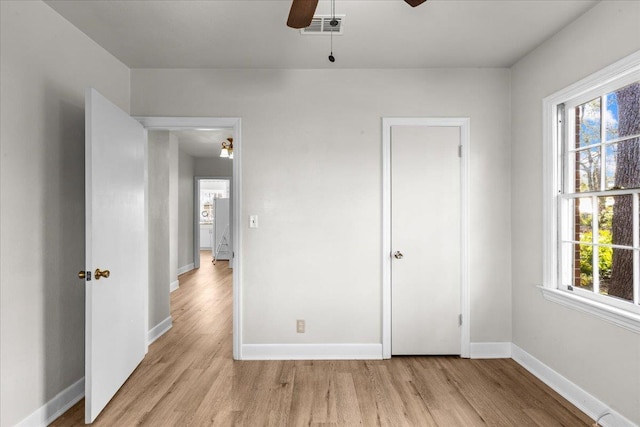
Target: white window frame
(623, 314)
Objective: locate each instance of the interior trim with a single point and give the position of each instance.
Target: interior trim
(54, 408)
(185, 269)
(159, 330)
(606, 312)
(490, 350)
(312, 351)
(578, 397)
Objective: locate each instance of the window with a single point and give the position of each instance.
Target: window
(592, 192)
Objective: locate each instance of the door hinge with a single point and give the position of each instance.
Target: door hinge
(459, 150)
(459, 319)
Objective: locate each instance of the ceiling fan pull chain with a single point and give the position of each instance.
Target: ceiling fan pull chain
(334, 24)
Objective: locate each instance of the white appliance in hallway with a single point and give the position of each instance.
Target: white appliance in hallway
(207, 213)
(214, 203)
(222, 230)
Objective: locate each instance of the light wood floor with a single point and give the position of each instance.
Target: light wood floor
(189, 378)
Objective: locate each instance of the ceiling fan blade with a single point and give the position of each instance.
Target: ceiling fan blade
(414, 3)
(301, 13)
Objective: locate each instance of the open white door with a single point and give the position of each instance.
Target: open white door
(116, 240)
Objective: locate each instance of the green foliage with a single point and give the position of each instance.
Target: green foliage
(605, 255)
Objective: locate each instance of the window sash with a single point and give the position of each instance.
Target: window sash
(610, 85)
(609, 142)
(566, 122)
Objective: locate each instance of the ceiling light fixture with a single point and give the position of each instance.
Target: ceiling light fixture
(227, 148)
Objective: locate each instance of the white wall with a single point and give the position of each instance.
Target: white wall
(601, 358)
(185, 209)
(46, 64)
(159, 226)
(312, 172)
(213, 166)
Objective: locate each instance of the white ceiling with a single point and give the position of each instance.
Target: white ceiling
(377, 33)
(202, 143)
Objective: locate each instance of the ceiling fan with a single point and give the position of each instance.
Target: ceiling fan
(301, 13)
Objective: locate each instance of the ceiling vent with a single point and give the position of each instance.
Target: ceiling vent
(321, 25)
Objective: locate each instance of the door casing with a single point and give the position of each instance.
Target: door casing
(214, 123)
(465, 137)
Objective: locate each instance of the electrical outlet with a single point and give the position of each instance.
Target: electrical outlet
(300, 326)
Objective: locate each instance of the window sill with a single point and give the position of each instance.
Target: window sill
(622, 318)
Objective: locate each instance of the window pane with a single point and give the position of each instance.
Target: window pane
(588, 170)
(622, 112)
(615, 220)
(588, 123)
(611, 117)
(583, 220)
(583, 252)
(583, 266)
(618, 281)
(622, 164)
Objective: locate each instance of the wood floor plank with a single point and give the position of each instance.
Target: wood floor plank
(188, 378)
(347, 408)
(442, 397)
(280, 398)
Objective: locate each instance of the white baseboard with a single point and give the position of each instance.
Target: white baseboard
(584, 401)
(490, 350)
(173, 286)
(57, 406)
(311, 351)
(68, 397)
(159, 330)
(185, 268)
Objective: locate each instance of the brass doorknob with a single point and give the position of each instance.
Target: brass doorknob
(82, 274)
(101, 273)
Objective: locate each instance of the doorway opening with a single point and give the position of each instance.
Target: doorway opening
(230, 127)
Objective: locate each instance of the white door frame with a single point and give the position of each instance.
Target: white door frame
(214, 123)
(196, 215)
(465, 137)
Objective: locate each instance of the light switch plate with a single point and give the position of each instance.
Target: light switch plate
(253, 221)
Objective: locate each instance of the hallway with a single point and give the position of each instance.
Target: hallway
(189, 378)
